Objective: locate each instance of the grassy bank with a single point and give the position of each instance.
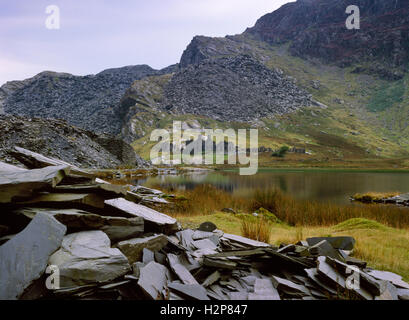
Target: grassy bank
(206, 199)
(381, 232)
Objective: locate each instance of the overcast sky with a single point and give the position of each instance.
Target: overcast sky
(98, 34)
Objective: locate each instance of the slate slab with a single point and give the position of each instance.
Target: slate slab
(332, 275)
(389, 276)
(149, 215)
(87, 257)
(180, 270)
(23, 183)
(245, 241)
(133, 248)
(324, 248)
(117, 228)
(24, 258)
(264, 290)
(289, 286)
(190, 291)
(153, 280)
(35, 160)
(344, 243)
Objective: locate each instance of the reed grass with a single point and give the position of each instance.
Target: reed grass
(259, 230)
(206, 199)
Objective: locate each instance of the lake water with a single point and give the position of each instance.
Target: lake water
(325, 186)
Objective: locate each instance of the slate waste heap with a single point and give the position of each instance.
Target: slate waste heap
(65, 234)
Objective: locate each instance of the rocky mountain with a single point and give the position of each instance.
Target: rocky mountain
(280, 75)
(317, 29)
(89, 102)
(235, 88)
(57, 139)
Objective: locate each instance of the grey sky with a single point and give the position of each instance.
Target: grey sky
(101, 34)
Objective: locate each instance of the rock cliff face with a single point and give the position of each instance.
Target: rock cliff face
(90, 102)
(316, 28)
(57, 139)
(238, 88)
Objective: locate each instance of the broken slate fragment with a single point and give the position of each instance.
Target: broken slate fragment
(153, 279)
(389, 276)
(343, 243)
(117, 228)
(389, 293)
(147, 256)
(289, 286)
(180, 270)
(245, 241)
(324, 248)
(190, 291)
(24, 258)
(329, 273)
(19, 183)
(87, 257)
(133, 248)
(149, 215)
(264, 290)
(35, 160)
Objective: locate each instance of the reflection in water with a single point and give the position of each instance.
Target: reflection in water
(326, 186)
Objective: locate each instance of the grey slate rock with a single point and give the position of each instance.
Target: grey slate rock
(207, 227)
(344, 243)
(162, 221)
(289, 286)
(24, 258)
(337, 279)
(264, 290)
(191, 291)
(23, 183)
(153, 280)
(389, 276)
(324, 248)
(117, 228)
(147, 256)
(87, 257)
(133, 248)
(180, 270)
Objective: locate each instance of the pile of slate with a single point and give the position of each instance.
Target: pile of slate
(66, 235)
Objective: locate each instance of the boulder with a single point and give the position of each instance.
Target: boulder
(87, 257)
(207, 227)
(24, 258)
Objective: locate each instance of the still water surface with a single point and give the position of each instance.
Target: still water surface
(325, 186)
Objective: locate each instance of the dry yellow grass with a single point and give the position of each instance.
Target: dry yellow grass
(207, 199)
(259, 230)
